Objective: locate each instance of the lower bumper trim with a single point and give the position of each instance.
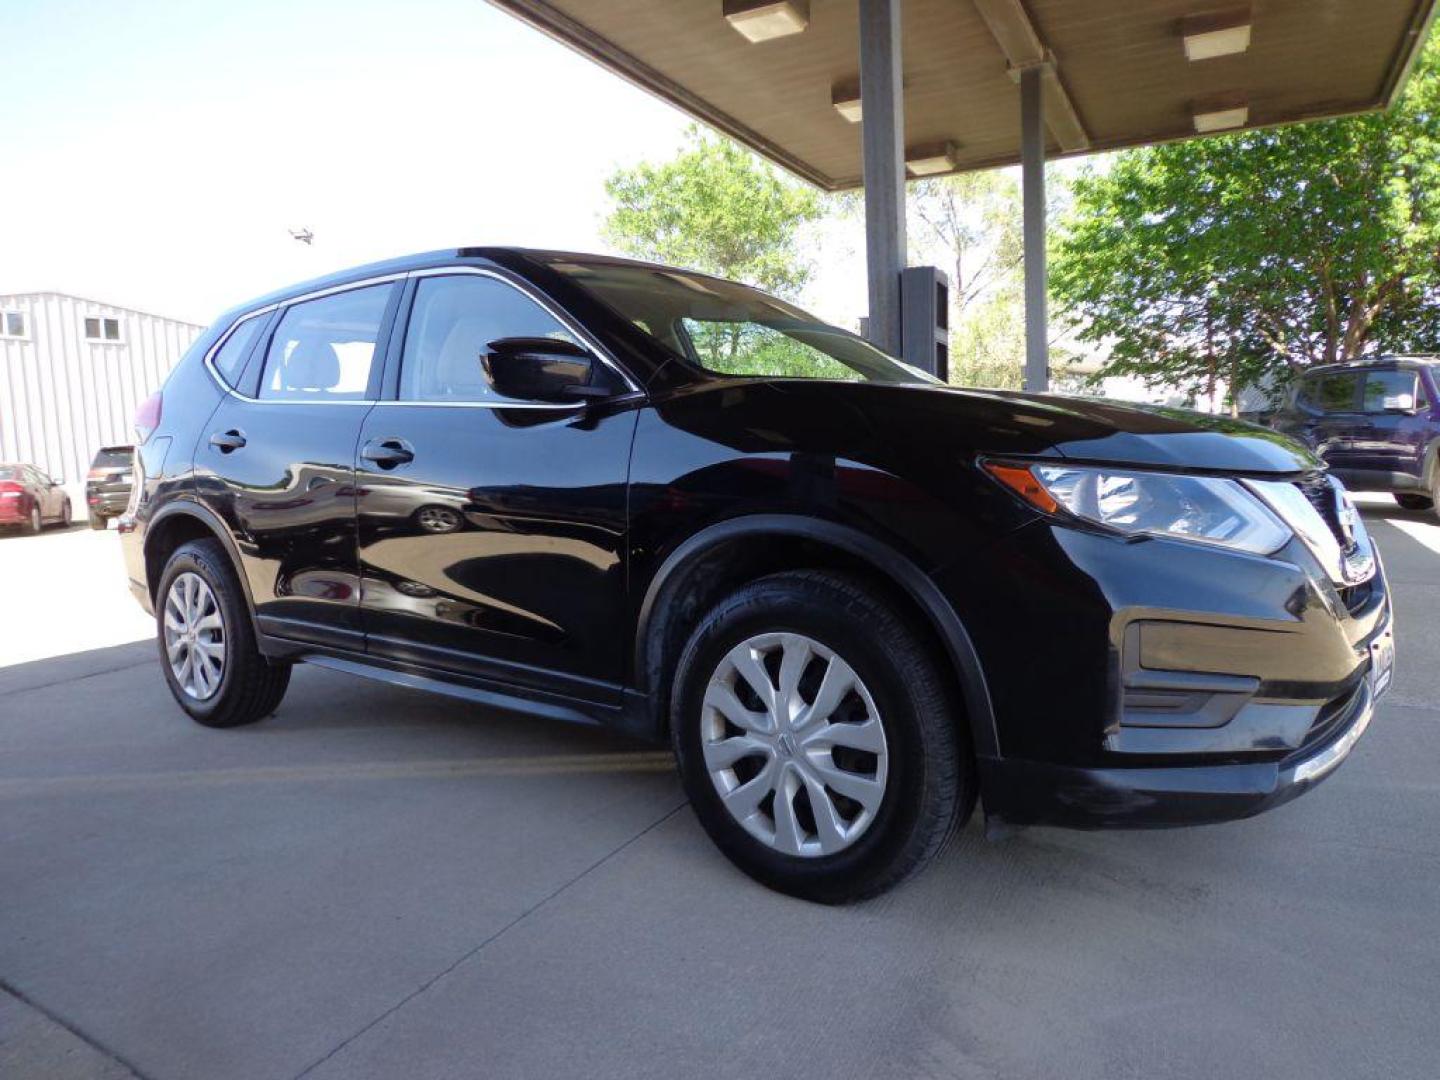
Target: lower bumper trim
(1038, 793)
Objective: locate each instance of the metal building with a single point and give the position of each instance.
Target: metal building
(73, 371)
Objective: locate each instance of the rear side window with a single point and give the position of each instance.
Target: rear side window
(452, 322)
(1330, 393)
(324, 350)
(1390, 391)
(230, 360)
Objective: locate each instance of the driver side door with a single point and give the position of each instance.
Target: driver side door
(492, 531)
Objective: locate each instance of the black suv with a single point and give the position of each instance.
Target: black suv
(853, 599)
(108, 484)
(1377, 425)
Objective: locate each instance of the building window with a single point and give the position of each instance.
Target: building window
(12, 324)
(102, 329)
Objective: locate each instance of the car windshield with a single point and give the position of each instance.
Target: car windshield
(734, 330)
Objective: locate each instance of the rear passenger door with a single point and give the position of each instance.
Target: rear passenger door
(493, 531)
(276, 460)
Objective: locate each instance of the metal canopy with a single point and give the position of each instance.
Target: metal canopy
(1114, 71)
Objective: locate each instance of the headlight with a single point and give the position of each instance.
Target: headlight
(1205, 509)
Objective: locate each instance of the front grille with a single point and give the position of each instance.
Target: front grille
(1320, 493)
(1354, 597)
(1332, 719)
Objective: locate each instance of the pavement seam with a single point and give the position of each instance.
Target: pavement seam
(531, 910)
(81, 678)
(55, 1018)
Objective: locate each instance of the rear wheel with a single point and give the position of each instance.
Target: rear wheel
(207, 643)
(98, 521)
(35, 524)
(817, 739)
(1414, 502)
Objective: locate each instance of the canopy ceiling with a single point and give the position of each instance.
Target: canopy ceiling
(1120, 76)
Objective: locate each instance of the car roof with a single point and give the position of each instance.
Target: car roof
(1378, 363)
(502, 254)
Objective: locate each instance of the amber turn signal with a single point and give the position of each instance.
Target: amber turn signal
(1023, 483)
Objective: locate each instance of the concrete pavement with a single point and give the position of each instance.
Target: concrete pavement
(377, 883)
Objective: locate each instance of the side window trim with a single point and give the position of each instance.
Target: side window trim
(390, 389)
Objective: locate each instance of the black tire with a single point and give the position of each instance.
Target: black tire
(65, 515)
(1414, 502)
(931, 785)
(99, 522)
(251, 686)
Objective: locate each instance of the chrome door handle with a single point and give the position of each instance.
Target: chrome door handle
(387, 453)
(227, 441)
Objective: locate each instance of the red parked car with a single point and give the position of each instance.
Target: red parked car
(30, 499)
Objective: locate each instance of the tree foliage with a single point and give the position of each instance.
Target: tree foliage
(1249, 256)
(716, 208)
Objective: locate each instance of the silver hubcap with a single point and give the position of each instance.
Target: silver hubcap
(194, 636)
(794, 744)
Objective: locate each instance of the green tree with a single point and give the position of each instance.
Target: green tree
(970, 224)
(1250, 256)
(716, 208)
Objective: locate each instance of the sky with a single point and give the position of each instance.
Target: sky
(157, 154)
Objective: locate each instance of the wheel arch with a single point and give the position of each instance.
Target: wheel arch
(179, 522)
(665, 620)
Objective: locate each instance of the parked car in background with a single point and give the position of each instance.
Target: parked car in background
(108, 484)
(30, 499)
(1376, 424)
(853, 599)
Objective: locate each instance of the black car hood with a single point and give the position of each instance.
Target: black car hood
(1104, 432)
(1008, 423)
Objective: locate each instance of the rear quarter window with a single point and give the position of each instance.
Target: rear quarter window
(229, 361)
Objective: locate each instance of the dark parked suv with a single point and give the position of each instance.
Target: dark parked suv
(108, 484)
(854, 600)
(1377, 425)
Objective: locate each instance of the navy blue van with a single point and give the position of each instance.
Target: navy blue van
(1377, 425)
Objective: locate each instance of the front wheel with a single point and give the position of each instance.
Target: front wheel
(1414, 502)
(817, 738)
(207, 643)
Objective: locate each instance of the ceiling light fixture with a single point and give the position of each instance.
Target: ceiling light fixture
(845, 96)
(931, 158)
(1220, 114)
(765, 20)
(1209, 36)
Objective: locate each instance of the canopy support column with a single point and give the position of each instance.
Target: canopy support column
(1032, 171)
(883, 143)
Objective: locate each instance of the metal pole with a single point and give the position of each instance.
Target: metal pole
(1032, 171)
(883, 138)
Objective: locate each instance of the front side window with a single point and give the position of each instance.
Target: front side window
(1330, 393)
(1390, 391)
(229, 361)
(731, 329)
(102, 329)
(452, 322)
(324, 349)
(12, 324)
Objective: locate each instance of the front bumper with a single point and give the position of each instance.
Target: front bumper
(1030, 792)
(1156, 683)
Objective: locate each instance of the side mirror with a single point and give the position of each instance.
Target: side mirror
(542, 369)
(57, 481)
